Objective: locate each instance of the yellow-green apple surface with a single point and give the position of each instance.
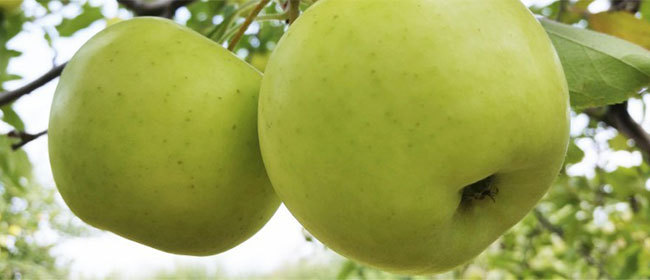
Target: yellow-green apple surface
(409, 135)
(153, 136)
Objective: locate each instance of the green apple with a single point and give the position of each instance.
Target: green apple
(10, 5)
(153, 136)
(259, 60)
(409, 136)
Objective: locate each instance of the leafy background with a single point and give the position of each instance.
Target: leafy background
(594, 223)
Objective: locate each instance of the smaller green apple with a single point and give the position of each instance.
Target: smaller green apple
(259, 60)
(153, 136)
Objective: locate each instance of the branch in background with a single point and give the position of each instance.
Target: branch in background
(9, 96)
(583, 250)
(618, 117)
(632, 6)
(24, 138)
(165, 9)
(547, 224)
(246, 24)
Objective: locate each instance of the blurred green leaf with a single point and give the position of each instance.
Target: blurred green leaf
(600, 69)
(574, 154)
(622, 25)
(631, 265)
(618, 143)
(10, 117)
(625, 181)
(645, 10)
(71, 25)
(346, 270)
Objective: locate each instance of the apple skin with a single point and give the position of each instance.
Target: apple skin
(374, 116)
(153, 136)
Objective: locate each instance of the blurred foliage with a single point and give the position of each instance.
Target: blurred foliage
(592, 224)
(27, 209)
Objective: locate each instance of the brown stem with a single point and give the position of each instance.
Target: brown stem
(24, 138)
(9, 96)
(246, 24)
(294, 10)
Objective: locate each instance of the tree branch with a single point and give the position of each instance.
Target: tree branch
(545, 223)
(160, 8)
(618, 117)
(9, 96)
(583, 250)
(24, 138)
(626, 5)
(163, 9)
(246, 24)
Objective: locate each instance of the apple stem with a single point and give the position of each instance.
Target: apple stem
(294, 10)
(249, 19)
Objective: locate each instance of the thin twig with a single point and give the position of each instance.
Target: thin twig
(246, 24)
(547, 224)
(24, 138)
(9, 96)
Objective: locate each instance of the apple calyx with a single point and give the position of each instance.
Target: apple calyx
(478, 191)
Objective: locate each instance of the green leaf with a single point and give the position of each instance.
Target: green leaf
(89, 15)
(625, 181)
(599, 68)
(5, 56)
(13, 164)
(347, 269)
(202, 14)
(622, 25)
(618, 143)
(574, 154)
(9, 116)
(631, 265)
(645, 10)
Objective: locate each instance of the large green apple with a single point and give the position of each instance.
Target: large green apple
(153, 136)
(409, 135)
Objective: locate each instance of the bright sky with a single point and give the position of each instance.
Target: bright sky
(279, 243)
